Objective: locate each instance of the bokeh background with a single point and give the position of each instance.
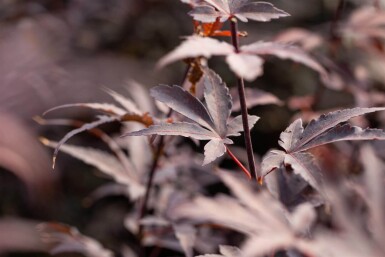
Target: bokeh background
(54, 52)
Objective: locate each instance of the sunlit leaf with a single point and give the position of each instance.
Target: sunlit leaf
(184, 129)
(241, 9)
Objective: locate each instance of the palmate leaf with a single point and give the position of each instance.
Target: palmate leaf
(248, 62)
(106, 163)
(263, 219)
(183, 102)
(326, 129)
(196, 46)
(218, 100)
(88, 126)
(241, 9)
(184, 129)
(213, 121)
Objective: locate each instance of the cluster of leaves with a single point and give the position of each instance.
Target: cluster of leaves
(284, 216)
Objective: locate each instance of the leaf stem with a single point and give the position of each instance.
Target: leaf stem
(242, 99)
(235, 159)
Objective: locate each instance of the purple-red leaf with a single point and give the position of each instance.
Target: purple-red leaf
(218, 101)
(106, 163)
(326, 129)
(241, 9)
(325, 122)
(184, 129)
(258, 11)
(235, 127)
(101, 120)
(291, 135)
(343, 133)
(214, 149)
(206, 14)
(284, 51)
(272, 161)
(125, 102)
(254, 97)
(185, 103)
(66, 239)
(107, 108)
(196, 46)
(304, 165)
(245, 65)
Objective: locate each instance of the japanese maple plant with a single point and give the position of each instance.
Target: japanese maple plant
(201, 108)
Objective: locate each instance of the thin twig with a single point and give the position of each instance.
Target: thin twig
(154, 165)
(235, 159)
(242, 99)
(336, 19)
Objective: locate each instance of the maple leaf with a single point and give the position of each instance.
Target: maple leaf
(247, 63)
(296, 140)
(131, 111)
(211, 123)
(223, 10)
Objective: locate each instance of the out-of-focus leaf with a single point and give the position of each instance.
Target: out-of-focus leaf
(196, 46)
(66, 239)
(235, 127)
(112, 144)
(186, 235)
(254, 97)
(245, 66)
(19, 235)
(246, 62)
(374, 180)
(230, 251)
(308, 40)
(284, 51)
(303, 218)
(139, 93)
(21, 154)
(106, 163)
(107, 108)
(257, 214)
(129, 105)
(223, 10)
(365, 24)
(88, 126)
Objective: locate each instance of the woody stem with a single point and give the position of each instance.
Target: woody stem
(242, 98)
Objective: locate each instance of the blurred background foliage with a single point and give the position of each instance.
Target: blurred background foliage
(54, 52)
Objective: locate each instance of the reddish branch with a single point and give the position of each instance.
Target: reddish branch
(242, 99)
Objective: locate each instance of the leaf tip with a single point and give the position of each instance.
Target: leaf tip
(53, 162)
(44, 141)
